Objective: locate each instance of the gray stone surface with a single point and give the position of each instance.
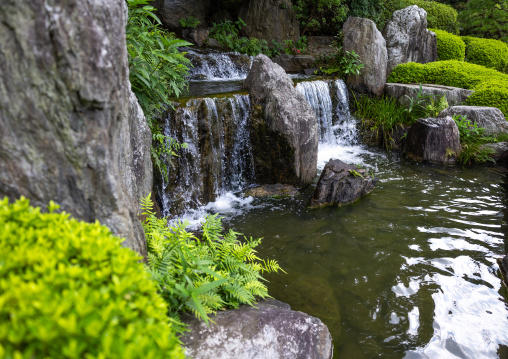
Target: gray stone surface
(503, 266)
(70, 129)
(434, 140)
(362, 37)
(273, 190)
(171, 11)
(490, 118)
(295, 64)
(284, 128)
(341, 183)
(407, 38)
(270, 331)
(499, 151)
(402, 92)
(270, 20)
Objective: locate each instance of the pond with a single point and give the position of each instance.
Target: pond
(407, 271)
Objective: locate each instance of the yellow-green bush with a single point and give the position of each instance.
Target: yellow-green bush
(449, 46)
(487, 52)
(490, 86)
(439, 16)
(68, 289)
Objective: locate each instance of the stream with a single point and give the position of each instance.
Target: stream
(408, 271)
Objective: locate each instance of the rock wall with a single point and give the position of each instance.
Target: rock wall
(70, 129)
(171, 11)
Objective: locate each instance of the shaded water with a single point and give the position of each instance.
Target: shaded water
(408, 271)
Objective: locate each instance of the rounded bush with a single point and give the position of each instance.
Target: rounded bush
(68, 289)
(449, 46)
(486, 52)
(439, 16)
(490, 86)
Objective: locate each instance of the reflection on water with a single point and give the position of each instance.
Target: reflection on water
(406, 272)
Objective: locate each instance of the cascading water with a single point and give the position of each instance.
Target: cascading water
(217, 65)
(330, 102)
(218, 158)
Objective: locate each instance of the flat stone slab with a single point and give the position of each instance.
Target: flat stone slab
(454, 95)
(270, 331)
(273, 190)
(490, 118)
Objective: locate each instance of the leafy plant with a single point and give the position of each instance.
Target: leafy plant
(449, 46)
(203, 275)
(68, 289)
(485, 18)
(190, 21)
(487, 52)
(472, 140)
(157, 71)
(340, 63)
(320, 17)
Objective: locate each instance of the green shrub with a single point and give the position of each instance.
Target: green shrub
(203, 275)
(490, 86)
(449, 46)
(486, 52)
(439, 16)
(320, 17)
(485, 18)
(68, 289)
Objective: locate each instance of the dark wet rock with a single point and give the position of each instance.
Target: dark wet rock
(270, 20)
(363, 37)
(273, 190)
(283, 127)
(294, 64)
(498, 152)
(198, 37)
(404, 92)
(407, 38)
(171, 11)
(503, 266)
(70, 128)
(434, 140)
(320, 44)
(490, 118)
(272, 330)
(341, 183)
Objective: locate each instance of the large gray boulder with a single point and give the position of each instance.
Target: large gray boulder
(270, 331)
(70, 128)
(405, 92)
(407, 38)
(363, 37)
(284, 128)
(270, 20)
(171, 11)
(434, 140)
(341, 183)
(490, 118)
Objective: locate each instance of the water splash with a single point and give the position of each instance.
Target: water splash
(217, 65)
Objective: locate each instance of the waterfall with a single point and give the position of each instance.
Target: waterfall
(330, 102)
(216, 65)
(218, 158)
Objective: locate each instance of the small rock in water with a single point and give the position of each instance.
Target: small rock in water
(273, 190)
(341, 183)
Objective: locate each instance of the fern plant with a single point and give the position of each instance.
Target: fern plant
(203, 275)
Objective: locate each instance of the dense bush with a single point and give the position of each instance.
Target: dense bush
(68, 289)
(487, 52)
(439, 16)
(490, 86)
(485, 18)
(449, 46)
(203, 275)
(320, 17)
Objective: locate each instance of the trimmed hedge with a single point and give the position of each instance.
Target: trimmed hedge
(487, 52)
(68, 289)
(439, 16)
(490, 86)
(449, 46)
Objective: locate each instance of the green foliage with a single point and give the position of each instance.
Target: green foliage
(227, 34)
(163, 150)
(157, 72)
(487, 52)
(190, 21)
(203, 275)
(439, 16)
(68, 289)
(339, 62)
(320, 17)
(490, 86)
(472, 140)
(485, 18)
(449, 46)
